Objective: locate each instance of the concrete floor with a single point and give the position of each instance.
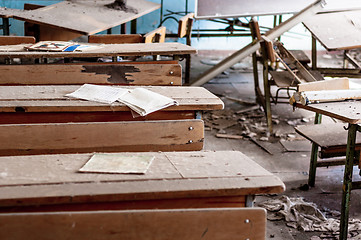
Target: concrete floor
(291, 167)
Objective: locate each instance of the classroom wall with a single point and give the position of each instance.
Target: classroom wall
(296, 38)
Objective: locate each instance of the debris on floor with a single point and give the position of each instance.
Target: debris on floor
(248, 122)
(296, 146)
(306, 216)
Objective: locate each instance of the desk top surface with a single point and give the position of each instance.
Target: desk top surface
(338, 30)
(209, 9)
(84, 17)
(173, 174)
(103, 50)
(347, 111)
(51, 98)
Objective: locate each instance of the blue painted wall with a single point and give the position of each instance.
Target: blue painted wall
(296, 38)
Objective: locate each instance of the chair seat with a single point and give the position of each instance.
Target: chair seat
(331, 138)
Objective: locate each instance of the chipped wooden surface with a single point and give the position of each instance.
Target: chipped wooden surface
(347, 111)
(336, 31)
(132, 136)
(14, 40)
(190, 224)
(327, 135)
(118, 73)
(85, 17)
(105, 50)
(50, 98)
(182, 175)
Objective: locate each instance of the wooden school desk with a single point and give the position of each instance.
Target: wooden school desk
(349, 112)
(51, 184)
(49, 122)
(81, 17)
(174, 180)
(104, 50)
(336, 31)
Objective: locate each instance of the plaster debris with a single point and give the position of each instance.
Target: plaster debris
(121, 5)
(306, 216)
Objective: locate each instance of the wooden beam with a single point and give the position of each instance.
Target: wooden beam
(190, 224)
(166, 135)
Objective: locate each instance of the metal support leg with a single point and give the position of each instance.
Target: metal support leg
(123, 28)
(133, 26)
(314, 53)
(6, 26)
(347, 180)
(313, 160)
(267, 95)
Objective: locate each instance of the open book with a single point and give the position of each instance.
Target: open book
(140, 100)
(60, 46)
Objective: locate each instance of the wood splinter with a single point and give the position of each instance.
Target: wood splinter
(121, 5)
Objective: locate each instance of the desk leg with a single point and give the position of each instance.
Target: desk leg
(267, 95)
(313, 160)
(6, 26)
(314, 53)
(347, 180)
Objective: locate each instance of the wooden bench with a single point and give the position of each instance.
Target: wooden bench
(294, 73)
(329, 141)
(191, 224)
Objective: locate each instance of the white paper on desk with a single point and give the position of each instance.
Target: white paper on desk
(118, 163)
(104, 94)
(144, 101)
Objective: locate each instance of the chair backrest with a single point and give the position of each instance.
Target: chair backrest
(155, 36)
(185, 25)
(98, 136)
(175, 224)
(14, 40)
(115, 38)
(156, 73)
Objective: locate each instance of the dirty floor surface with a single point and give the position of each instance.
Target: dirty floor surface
(290, 165)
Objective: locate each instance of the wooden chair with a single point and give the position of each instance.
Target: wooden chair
(329, 142)
(293, 74)
(185, 25)
(176, 224)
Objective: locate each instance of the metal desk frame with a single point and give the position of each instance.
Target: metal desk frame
(348, 184)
